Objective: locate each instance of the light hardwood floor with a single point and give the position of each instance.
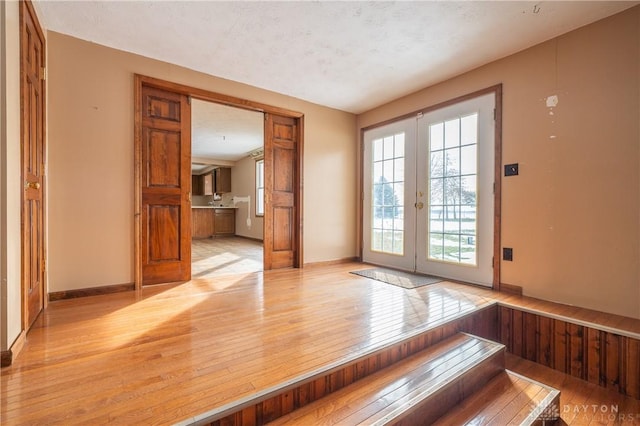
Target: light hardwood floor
(214, 257)
(168, 353)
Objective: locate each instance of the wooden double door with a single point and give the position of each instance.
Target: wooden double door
(163, 182)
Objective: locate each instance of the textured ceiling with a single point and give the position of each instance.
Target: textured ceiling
(220, 132)
(351, 56)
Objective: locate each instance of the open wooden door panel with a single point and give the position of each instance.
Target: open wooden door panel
(165, 182)
(282, 206)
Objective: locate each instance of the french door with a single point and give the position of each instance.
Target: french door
(428, 192)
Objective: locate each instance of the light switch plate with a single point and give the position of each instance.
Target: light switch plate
(511, 169)
(507, 254)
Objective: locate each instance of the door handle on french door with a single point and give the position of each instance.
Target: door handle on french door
(419, 205)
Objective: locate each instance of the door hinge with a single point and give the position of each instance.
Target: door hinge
(419, 115)
(189, 100)
(44, 264)
(494, 114)
(43, 73)
(494, 187)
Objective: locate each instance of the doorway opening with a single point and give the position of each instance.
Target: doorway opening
(163, 181)
(227, 187)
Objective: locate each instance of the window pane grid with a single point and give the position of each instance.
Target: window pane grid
(452, 190)
(387, 230)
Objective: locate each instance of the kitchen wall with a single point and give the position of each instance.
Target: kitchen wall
(243, 183)
(91, 162)
(572, 216)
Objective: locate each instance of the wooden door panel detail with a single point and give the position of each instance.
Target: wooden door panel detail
(284, 130)
(283, 170)
(32, 100)
(163, 108)
(165, 169)
(163, 148)
(282, 229)
(164, 233)
(281, 182)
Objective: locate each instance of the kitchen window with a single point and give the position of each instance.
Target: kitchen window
(260, 188)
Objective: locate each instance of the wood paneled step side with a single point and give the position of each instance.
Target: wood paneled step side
(424, 386)
(508, 399)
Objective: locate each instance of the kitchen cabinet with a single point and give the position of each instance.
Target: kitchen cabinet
(201, 223)
(202, 184)
(224, 222)
(207, 184)
(196, 185)
(210, 222)
(222, 180)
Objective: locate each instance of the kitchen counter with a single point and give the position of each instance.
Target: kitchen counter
(212, 221)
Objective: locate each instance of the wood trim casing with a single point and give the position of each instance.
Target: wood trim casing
(332, 262)
(497, 189)
(497, 196)
(137, 190)
(92, 291)
(7, 357)
(219, 98)
(510, 288)
(206, 95)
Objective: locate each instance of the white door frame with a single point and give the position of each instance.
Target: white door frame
(482, 272)
(406, 260)
(497, 200)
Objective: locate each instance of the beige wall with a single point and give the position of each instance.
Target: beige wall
(91, 162)
(572, 215)
(10, 290)
(243, 183)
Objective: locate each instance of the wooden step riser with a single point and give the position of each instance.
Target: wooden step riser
(509, 398)
(604, 358)
(267, 408)
(446, 398)
(549, 414)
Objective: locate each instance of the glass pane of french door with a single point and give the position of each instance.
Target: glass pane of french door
(455, 152)
(389, 195)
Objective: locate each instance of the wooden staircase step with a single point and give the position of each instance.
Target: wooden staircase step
(508, 399)
(426, 385)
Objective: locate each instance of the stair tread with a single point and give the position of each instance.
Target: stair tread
(508, 399)
(389, 391)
